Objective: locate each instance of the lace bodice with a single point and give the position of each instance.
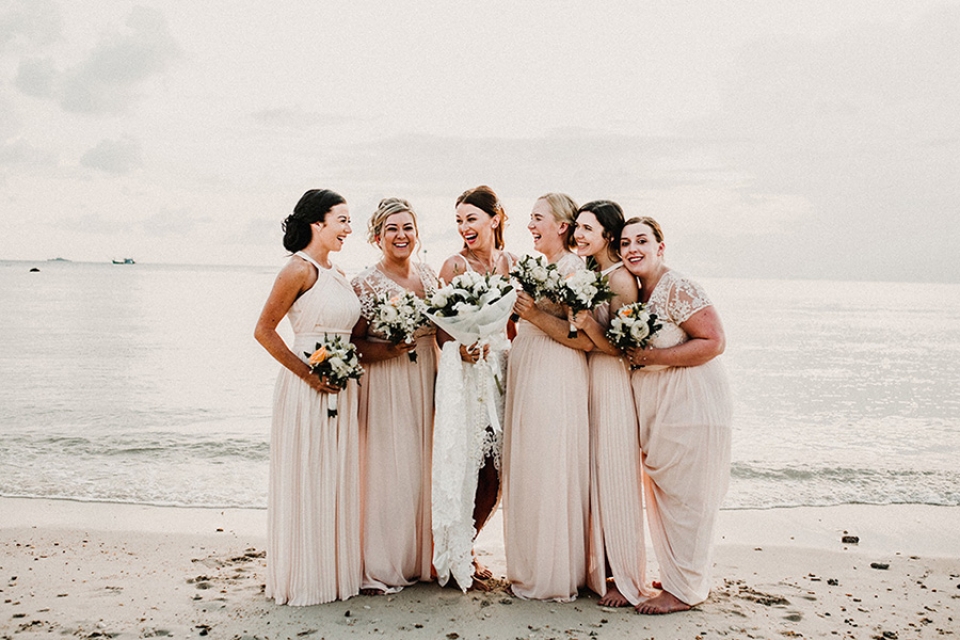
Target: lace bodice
(372, 284)
(674, 299)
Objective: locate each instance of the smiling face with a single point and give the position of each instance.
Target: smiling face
(398, 237)
(334, 229)
(548, 234)
(642, 253)
(476, 227)
(589, 235)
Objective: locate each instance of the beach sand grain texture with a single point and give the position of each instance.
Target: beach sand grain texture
(92, 570)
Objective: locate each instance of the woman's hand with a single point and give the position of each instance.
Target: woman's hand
(321, 385)
(473, 353)
(580, 319)
(641, 357)
(525, 306)
(397, 350)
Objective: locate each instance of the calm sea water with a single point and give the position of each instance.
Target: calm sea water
(143, 384)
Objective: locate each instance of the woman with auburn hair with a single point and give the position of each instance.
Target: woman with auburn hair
(685, 411)
(313, 503)
(457, 519)
(616, 565)
(547, 446)
(396, 411)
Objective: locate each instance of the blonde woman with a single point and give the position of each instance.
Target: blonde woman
(547, 445)
(396, 411)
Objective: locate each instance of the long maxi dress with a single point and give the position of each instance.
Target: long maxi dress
(546, 463)
(616, 482)
(313, 503)
(396, 441)
(467, 432)
(685, 416)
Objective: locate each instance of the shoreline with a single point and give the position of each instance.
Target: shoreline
(122, 570)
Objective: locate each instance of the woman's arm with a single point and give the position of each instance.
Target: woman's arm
(625, 291)
(707, 341)
(376, 350)
(557, 328)
(296, 277)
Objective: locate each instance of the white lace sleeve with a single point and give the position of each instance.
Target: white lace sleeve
(364, 289)
(685, 298)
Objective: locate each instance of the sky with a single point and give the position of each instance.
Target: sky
(791, 139)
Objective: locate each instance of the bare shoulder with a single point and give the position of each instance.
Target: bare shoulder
(452, 267)
(622, 281)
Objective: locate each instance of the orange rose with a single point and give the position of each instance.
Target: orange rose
(318, 356)
(626, 313)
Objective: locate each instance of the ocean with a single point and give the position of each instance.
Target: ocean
(143, 384)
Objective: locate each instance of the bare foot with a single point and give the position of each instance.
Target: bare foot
(482, 586)
(480, 572)
(613, 597)
(371, 592)
(656, 584)
(664, 602)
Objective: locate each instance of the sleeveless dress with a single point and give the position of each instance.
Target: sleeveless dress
(465, 434)
(313, 505)
(616, 483)
(396, 440)
(546, 461)
(685, 415)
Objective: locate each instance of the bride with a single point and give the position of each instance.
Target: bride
(467, 434)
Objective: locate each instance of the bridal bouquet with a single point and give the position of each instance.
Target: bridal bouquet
(338, 362)
(582, 290)
(398, 318)
(470, 307)
(632, 326)
(536, 277)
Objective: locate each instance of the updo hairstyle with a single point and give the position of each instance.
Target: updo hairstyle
(386, 208)
(312, 207)
(564, 210)
(484, 198)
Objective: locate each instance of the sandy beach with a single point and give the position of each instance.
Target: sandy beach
(95, 570)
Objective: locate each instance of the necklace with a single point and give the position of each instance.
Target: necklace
(487, 268)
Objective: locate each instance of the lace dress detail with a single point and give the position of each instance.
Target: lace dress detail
(674, 299)
(372, 285)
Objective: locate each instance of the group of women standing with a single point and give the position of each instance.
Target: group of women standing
(588, 433)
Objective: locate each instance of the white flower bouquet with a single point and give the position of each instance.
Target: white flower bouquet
(473, 307)
(632, 326)
(582, 290)
(398, 318)
(337, 361)
(536, 277)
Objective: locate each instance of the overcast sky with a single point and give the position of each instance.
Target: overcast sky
(788, 139)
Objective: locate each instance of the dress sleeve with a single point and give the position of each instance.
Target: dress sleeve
(368, 296)
(685, 299)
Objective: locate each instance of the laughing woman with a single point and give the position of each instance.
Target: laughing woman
(616, 563)
(466, 477)
(547, 442)
(396, 411)
(685, 410)
(313, 502)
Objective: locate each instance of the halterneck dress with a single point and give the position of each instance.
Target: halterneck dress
(396, 442)
(616, 483)
(685, 416)
(546, 461)
(313, 505)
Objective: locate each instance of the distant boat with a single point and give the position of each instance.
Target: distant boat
(124, 261)
(57, 259)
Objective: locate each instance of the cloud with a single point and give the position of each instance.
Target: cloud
(296, 118)
(107, 81)
(37, 77)
(114, 156)
(30, 23)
